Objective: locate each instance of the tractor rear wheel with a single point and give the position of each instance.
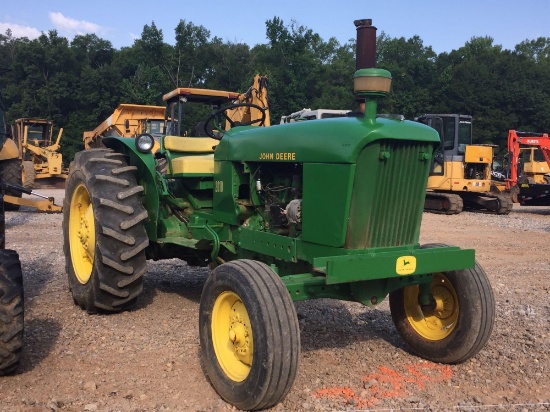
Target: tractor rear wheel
(11, 311)
(29, 174)
(249, 334)
(10, 172)
(103, 231)
(458, 323)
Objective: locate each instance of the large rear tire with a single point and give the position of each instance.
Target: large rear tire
(10, 172)
(249, 334)
(11, 311)
(459, 323)
(103, 231)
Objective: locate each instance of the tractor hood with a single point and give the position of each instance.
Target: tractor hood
(338, 140)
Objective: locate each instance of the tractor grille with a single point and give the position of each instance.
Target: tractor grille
(388, 194)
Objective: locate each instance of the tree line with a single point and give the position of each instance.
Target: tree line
(79, 83)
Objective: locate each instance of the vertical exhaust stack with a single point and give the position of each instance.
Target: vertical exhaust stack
(369, 83)
(365, 50)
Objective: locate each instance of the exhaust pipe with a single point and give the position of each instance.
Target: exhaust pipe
(365, 51)
(369, 83)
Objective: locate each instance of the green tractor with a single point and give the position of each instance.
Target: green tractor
(291, 212)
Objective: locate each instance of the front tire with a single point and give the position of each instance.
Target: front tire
(29, 174)
(11, 311)
(249, 334)
(459, 325)
(103, 231)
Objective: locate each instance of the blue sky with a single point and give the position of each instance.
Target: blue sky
(443, 24)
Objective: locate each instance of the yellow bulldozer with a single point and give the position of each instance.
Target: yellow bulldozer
(39, 154)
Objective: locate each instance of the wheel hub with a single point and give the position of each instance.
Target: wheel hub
(239, 334)
(82, 234)
(433, 322)
(232, 336)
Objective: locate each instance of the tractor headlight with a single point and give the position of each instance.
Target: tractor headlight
(144, 143)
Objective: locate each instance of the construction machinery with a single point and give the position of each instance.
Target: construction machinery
(529, 179)
(128, 120)
(304, 210)
(11, 176)
(11, 285)
(10, 163)
(460, 176)
(39, 154)
(132, 120)
(11, 279)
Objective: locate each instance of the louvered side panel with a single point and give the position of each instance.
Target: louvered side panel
(389, 191)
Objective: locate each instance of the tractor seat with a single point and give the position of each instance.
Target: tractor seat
(193, 164)
(197, 154)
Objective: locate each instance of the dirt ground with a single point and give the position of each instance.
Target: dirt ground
(352, 357)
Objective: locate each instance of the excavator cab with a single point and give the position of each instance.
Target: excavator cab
(455, 132)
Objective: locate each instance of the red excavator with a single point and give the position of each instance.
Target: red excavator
(529, 180)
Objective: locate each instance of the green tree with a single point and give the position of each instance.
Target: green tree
(412, 66)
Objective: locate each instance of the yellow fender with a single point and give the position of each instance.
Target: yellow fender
(9, 151)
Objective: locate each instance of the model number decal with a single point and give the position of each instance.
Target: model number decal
(218, 186)
(277, 156)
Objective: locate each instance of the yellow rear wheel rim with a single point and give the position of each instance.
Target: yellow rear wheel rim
(433, 323)
(232, 336)
(82, 234)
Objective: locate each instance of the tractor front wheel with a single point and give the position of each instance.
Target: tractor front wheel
(11, 311)
(458, 322)
(249, 334)
(103, 231)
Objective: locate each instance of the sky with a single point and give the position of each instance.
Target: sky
(445, 25)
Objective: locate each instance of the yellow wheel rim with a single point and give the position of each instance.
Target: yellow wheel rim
(232, 336)
(439, 322)
(82, 234)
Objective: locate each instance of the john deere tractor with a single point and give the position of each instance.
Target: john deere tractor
(298, 211)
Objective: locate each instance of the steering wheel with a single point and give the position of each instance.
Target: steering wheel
(215, 124)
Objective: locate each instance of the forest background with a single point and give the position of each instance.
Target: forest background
(78, 83)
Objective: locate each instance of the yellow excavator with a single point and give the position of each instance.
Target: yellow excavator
(460, 176)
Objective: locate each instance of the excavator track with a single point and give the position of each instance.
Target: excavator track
(449, 204)
(443, 203)
(490, 203)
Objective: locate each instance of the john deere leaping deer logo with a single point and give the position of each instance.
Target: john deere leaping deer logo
(405, 265)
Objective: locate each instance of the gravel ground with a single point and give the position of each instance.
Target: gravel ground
(352, 357)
